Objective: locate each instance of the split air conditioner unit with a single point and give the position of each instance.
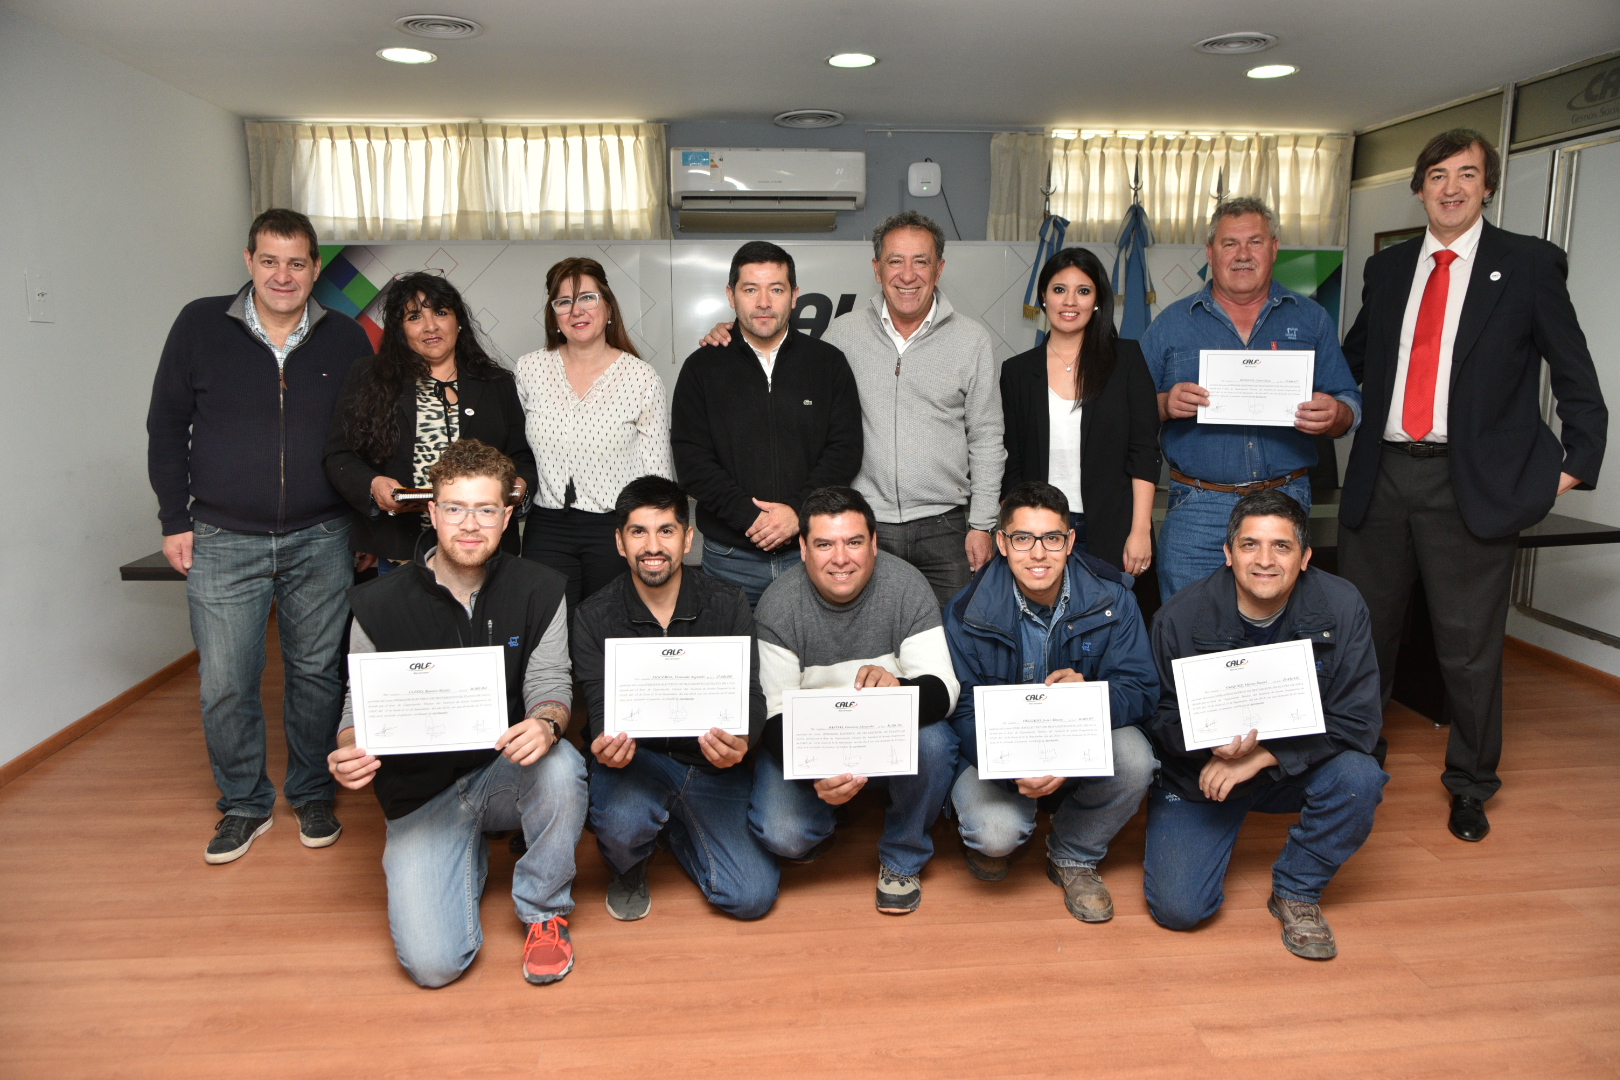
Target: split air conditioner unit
(732, 179)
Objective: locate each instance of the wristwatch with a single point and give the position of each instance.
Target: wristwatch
(556, 728)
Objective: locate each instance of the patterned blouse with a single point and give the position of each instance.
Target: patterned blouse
(618, 431)
(437, 424)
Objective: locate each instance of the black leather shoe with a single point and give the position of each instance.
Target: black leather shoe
(1468, 821)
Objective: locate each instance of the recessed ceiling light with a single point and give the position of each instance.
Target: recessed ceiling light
(1243, 41)
(851, 60)
(1065, 133)
(439, 26)
(1272, 71)
(406, 56)
(808, 118)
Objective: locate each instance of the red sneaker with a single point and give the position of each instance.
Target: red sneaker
(548, 955)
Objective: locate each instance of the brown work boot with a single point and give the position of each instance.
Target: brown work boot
(1084, 893)
(984, 867)
(1304, 932)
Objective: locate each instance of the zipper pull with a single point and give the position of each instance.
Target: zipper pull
(897, 367)
(489, 632)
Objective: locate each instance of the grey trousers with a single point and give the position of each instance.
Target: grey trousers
(1413, 530)
(934, 545)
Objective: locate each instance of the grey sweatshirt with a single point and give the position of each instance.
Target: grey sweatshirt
(806, 643)
(931, 417)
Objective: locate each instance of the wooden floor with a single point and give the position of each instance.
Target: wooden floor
(123, 955)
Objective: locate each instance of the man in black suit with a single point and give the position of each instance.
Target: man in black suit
(1453, 458)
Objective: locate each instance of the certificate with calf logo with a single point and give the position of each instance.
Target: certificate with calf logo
(1028, 731)
(1270, 689)
(870, 732)
(428, 702)
(676, 687)
(1263, 388)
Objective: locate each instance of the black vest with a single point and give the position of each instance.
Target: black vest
(408, 610)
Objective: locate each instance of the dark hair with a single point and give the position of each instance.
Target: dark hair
(284, 223)
(572, 269)
(1273, 503)
(469, 457)
(832, 501)
(372, 419)
(1033, 495)
(1098, 351)
(650, 492)
(907, 219)
(1449, 143)
(761, 251)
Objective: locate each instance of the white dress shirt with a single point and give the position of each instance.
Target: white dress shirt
(1063, 448)
(1466, 246)
(618, 431)
(767, 360)
(900, 342)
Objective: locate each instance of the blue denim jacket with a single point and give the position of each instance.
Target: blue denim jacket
(1035, 633)
(1229, 454)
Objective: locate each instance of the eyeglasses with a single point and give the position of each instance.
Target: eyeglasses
(1023, 541)
(585, 301)
(454, 514)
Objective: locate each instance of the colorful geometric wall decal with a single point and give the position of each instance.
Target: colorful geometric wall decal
(342, 287)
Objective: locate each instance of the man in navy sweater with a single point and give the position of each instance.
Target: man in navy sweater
(237, 428)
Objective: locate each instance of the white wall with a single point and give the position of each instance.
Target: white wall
(132, 196)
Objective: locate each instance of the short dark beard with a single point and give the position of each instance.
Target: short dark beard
(655, 582)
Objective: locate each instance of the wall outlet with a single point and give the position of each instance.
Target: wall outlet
(41, 304)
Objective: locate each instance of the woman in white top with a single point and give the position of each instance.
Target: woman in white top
(596, 418)
(1081, 413)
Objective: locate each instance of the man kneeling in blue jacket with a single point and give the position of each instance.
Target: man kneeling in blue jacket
(1044, 612)
(1266, 594)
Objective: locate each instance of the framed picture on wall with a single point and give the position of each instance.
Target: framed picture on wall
(1395, 236)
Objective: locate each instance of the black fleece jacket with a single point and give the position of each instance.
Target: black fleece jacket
(234, 443)
(735, 439)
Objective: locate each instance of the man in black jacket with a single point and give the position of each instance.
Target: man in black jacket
(466, 593)
(1453, 458)
(237, 428)
(758, 424)
(693, 790)
(1264, 595)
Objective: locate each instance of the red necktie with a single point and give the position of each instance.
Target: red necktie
(1417, 413)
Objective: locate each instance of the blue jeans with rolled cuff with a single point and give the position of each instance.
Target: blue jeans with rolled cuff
(1189, 844)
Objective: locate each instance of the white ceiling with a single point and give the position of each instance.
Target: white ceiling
(943, 62)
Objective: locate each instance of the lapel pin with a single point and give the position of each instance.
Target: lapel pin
(1496, 275)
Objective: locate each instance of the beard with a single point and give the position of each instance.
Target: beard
(655, 578)
(469, 560)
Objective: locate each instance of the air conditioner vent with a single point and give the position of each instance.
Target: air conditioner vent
(439, 26)
(808, 118)
(1244, 41)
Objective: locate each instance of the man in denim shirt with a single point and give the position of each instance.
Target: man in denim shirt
(1212, 466)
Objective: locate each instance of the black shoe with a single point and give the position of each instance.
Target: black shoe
(982, 866)
(517, 845)
(1468, 821)
(628, 897)
(316, 825)
(233, 836)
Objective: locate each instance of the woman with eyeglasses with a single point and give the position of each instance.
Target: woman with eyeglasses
(1081, 413)
(431, 383)
(597, 419)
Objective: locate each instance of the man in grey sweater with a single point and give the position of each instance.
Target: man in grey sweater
(930, 409)
(852, 617)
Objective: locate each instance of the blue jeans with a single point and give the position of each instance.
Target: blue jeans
(996, 820)
(707, 817)
(790, 818)
(436, 858)
(1189, 844)
(749, 567)
(1193, 537)
(234, 577)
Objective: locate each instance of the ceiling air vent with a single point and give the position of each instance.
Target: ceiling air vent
(1234, 44)
(801, 119)
(439, 26)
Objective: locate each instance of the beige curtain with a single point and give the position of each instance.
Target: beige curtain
(1304, 177)
(473, 181)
